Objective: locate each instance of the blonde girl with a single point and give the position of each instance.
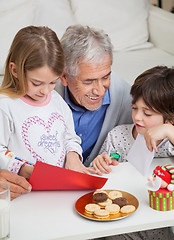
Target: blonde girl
(35, 122)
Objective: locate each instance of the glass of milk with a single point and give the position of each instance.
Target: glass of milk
(4, 210)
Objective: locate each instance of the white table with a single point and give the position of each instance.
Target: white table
(47, 215)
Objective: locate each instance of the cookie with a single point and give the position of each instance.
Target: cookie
(113, 208)
(106, 203)
(121, 201)
(100, 196)
(114, 194)
(101, 213)
(91, 207)
(127, 209)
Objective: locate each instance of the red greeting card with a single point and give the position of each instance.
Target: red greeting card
(48, 177)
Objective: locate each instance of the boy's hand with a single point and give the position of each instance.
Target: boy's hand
(101, 163)
(155, 135)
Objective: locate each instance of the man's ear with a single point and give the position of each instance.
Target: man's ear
(13, 69)
(64, 79)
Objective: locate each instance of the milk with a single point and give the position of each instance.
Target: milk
(4, 218)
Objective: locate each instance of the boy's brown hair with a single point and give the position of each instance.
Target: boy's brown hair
(156, 87)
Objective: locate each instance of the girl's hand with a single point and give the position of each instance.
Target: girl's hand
(73, 162)
(26, 171)
(155, 135)
(101, 163)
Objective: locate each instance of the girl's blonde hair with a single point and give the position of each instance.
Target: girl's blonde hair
(33, 47)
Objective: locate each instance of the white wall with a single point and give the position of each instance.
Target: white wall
(166, 4)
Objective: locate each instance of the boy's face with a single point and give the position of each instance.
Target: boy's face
(145, 118)
(40, 82)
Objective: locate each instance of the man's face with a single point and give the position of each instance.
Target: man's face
(88, 88)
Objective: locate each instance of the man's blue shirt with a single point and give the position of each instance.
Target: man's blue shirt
(88, 123)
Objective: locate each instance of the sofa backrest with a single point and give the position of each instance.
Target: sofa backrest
(125, 21)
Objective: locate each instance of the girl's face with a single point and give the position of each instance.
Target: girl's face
(40, 82)
(145, 118)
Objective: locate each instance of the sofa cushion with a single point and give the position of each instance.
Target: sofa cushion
(125, 21)
(13, 17)
(128, 65)
(56, 14)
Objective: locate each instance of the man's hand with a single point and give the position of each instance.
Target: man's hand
(18, 184)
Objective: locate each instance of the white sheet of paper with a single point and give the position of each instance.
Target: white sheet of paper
(139, 155)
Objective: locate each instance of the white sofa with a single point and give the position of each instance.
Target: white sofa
(142, 35)
(130, 64)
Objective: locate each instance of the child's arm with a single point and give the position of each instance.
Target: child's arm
(101, 163)
(14, 164)
(73, 162)
(72, 141)
(8, 159)
(26, 171)
(155, 135)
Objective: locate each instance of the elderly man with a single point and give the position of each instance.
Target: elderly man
(99, 100)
